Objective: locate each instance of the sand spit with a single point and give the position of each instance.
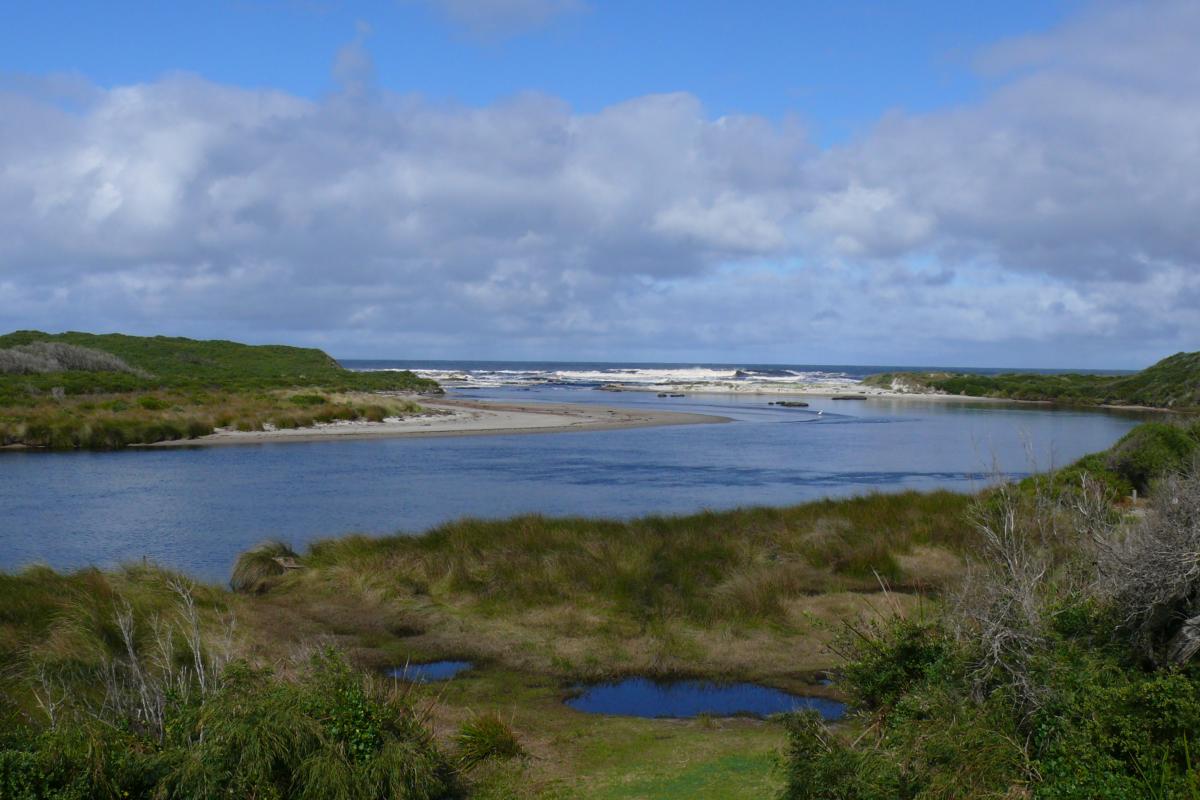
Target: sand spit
(463, 418)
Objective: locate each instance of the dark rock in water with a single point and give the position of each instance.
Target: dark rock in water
(663, 394)
(849, 397)
(675, 395)
(790, 403)
(741, 374)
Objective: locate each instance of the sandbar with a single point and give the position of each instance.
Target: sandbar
(453, 417)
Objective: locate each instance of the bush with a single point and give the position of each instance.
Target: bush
(818, 766)
(889, 658)
(1150, 451)
(308, 400)
(152, 403)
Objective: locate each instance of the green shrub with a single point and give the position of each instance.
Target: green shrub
(1151, 450)
(307, 400)
(819, 766)
(890, 658)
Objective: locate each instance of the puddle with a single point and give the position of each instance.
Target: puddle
(641, 697)
(431, 671)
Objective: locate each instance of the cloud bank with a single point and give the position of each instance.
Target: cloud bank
(1051, 222)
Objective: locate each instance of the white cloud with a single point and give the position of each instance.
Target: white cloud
(1059, 209)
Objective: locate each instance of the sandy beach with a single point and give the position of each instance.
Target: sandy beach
(463, 418)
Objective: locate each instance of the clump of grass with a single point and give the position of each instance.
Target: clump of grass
(257, 569)
(484, 737)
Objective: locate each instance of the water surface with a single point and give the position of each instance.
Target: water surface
(196, 508)
(430, 671)
(642, 697)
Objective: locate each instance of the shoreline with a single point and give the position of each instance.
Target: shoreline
(857, 392)
(462, 418)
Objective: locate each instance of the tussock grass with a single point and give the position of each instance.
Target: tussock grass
(258, 568)
(736, 566)
(487, 736)
(743, 594)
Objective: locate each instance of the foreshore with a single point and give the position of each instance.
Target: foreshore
(450, 417)
(848, 391)
(828, 389)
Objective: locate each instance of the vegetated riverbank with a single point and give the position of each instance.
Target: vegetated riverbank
(1173, 383)
(538, 604)
(79, 390)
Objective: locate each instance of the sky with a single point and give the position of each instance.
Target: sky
(976, 184)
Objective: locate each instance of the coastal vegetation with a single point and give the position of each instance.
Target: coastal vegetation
(1031, 640)
(1172, 383)
(79, 390)
(1063, 667)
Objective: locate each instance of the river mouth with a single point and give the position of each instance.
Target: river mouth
(429, 672)
(684, 699)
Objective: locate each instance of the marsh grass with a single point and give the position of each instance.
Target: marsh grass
(108, 422)
(717, 595)
(736, 566)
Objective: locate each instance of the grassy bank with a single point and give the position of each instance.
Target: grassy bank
(737, 593)
(79, 390)
(1172, 383)
(112, 421)
(898, 594)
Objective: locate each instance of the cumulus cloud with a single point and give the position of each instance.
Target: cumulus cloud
(1059, 208)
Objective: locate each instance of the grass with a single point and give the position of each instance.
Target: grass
(81, 390)
(113, 421)
(736, 594)
(540, 604)
(1171, 383)
(575, 755)
(161, 362)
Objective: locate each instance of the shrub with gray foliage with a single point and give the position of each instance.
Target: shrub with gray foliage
(46, 357)
(1153, 575)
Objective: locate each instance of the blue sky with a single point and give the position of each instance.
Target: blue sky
(860, 182)
(838, 66)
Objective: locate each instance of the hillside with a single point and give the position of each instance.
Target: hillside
(82, 390)
(1172, 383)
(162, 362)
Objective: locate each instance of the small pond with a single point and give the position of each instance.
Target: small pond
(641, 697)
(430, 671)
